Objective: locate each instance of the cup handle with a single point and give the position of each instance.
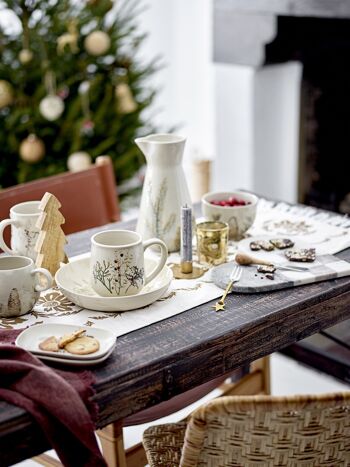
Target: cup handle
(47, 274)
(163, 258)
(3, 225)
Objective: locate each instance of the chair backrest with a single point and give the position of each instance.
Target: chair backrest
(270, 431)
(88, 198)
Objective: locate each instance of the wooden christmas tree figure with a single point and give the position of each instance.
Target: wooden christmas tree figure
(51, 240)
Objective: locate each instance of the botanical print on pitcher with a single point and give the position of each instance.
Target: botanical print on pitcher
(161, 223)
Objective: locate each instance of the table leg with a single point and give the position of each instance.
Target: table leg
(111, 437)
(263, 364)
(47, 461)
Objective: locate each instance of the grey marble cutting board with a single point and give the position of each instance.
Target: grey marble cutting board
(324, 268)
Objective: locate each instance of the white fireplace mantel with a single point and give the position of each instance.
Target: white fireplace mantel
(257, 129)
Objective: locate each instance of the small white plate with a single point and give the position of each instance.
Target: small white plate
(276, 256)
(72, 362)
(74, 282)
(30, 339)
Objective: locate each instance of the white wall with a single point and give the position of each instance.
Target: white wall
(246, 119)
(275, 135)
(234, 164)
(181, 31)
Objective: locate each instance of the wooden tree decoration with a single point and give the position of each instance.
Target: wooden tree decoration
(51, 240)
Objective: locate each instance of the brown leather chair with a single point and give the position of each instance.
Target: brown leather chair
(89, 198)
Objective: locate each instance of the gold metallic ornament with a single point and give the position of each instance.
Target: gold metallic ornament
(25, 56)
(69, 39)
(6, 93)
(32, 149)
(97, 43)
(125, 100)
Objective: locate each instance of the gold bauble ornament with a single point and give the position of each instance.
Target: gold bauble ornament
(32, 149)
(125, 100)
(25, 56)
(79, 161)
(97, 43)
(6, 93)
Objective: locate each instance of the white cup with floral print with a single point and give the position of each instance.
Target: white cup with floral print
(24, 233)
(117, 262)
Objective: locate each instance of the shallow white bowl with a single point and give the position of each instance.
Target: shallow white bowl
(238, 218)
(74, 282)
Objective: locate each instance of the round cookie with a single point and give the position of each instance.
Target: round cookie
(83, 346)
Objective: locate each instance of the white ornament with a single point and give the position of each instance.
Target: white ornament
(25, 56)
(51, 107)
(97, 43)
(32, 149)
(79, 161)
(84, 87)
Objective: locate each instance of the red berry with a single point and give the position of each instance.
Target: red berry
(230, 202)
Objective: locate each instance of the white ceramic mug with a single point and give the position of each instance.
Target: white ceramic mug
(117, 262)
(24, 233)
(19, 285)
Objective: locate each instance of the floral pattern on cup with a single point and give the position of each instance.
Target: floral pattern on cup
(117, 262)
(119, 274)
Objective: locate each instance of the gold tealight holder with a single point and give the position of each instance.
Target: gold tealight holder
(212, 238)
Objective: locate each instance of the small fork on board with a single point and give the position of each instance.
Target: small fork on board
(235, 276)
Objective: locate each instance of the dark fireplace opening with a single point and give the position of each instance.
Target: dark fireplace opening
(322, 45)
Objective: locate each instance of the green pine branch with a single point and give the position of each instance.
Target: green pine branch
(113, 133)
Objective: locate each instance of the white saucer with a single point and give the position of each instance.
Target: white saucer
(276, 256)
(72, 362)
(31, 337)
(74, 282)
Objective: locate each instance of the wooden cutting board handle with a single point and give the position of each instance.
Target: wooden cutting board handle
(246, 260)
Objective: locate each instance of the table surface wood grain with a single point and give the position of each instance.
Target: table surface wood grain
(157, 362)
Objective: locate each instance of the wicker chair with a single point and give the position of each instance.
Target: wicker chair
(255, 431)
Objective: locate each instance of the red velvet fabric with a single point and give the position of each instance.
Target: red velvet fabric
(58, 400)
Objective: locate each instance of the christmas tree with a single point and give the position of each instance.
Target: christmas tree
(71, 88)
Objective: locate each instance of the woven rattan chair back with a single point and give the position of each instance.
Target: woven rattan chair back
(260, 431)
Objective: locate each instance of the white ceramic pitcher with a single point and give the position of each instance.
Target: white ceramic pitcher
(165, 189)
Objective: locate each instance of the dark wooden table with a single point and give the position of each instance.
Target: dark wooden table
(155, 363)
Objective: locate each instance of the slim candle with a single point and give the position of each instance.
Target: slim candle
(186, 239)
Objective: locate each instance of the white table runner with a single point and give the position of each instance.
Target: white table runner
(327, 232)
